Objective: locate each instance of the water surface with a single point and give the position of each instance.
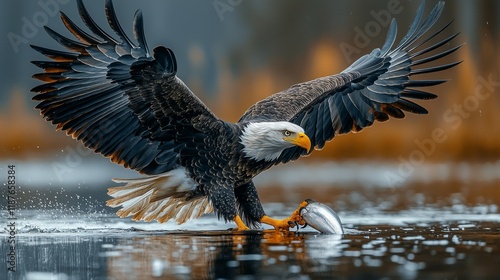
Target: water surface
(437, 229)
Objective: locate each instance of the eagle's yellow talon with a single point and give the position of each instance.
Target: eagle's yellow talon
(277, 224)
(286, 223)
(241, 225)
(301, 222)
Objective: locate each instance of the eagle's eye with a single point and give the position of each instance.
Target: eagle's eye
(287, 133)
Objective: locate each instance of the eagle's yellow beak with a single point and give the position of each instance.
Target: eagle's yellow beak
(300, 139)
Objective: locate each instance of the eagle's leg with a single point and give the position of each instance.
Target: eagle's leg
(239, 223)
(249, 206)
(224, 202)
(286, 223)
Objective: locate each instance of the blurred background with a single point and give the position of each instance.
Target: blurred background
(422, 190)
(234, 53)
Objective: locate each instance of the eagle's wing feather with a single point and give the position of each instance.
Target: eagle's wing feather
(116, 97)
(375, 87)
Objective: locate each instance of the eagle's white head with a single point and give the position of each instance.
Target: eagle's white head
(266, 140)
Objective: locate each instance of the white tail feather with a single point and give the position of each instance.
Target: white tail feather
(162, 197)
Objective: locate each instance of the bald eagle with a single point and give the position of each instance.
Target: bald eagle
(126, 103)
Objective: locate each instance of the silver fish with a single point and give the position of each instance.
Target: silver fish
(321, 217)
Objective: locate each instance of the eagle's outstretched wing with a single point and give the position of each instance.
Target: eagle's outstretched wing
(115, 97)
(375, 87)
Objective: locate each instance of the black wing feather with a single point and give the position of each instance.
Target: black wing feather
(374, 87)
(56, 55)
(139, 30)
(117, 28)
(114, 96)
(90, 23)
(81, 35)
(66, 42)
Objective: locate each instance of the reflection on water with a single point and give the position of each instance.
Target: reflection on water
(444, 251)
(208, 255)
